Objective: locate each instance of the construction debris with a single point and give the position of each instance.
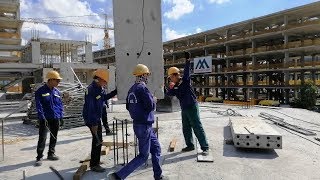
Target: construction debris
(248, 132)
(228, 112)
(280, 122)
(172, 144)
(56, 172)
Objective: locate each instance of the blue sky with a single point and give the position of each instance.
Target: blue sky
(179, 17)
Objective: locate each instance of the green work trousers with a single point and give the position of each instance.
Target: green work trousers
(191, 121)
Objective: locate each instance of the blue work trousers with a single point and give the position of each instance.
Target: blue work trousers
(148, 143)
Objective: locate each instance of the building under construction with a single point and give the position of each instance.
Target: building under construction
(21, 66)
(267, 57)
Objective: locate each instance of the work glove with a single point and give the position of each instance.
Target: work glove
(61, 122)
(187, 55)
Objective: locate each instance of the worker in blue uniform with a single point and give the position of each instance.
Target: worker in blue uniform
(141, 105)
(182, 89)
(95, 97)
(50, 113)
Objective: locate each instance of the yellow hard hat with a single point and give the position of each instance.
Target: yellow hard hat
(102, 73)
(140, 69)
(53, 75)
(173, 70)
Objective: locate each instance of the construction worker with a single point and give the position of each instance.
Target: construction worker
(50, 113)
(140, 103)
(182, 89)
(95, 97)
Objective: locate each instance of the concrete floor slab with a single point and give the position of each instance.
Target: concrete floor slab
(299, 158)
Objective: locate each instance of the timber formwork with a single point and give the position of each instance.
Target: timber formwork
(267, 57)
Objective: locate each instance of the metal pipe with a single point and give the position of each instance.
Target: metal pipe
(124, 158)
(157, 126)
(2, 140)
(117, 139)
(114, 144)
(135, 144)
(126, 121)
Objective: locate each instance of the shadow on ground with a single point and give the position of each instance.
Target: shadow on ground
(58, 142)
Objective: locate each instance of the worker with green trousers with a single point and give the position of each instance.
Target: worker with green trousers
(182, 89)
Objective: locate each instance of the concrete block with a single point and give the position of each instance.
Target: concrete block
(249, 132)
(138, 40)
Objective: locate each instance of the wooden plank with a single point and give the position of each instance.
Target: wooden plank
(105, 150)
(203, 158)
(117, 144)
(82, 169)
(172, 144)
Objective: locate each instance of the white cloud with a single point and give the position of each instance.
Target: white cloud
(180, 8)
(62, 8)
(198, 30)
(219, 1)
(172, 34)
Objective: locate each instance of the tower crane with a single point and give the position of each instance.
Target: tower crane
(105, 27)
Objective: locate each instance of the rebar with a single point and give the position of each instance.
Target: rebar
(114, 144)
(126, 121)
(117, 141)
(124, 159)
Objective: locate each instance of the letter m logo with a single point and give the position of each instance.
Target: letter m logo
(202, 64)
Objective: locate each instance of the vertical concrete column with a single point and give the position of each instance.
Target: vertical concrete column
(253, 28)
(206, 53)
(285, 20)
(286, 95)
(74, 55)
(285, 65)
(174, 46)
(255, 78)
(35, 51)
(205, 39)
(66, 72)
(88, 53)
(303, 71)
(174, 57)
(227, 34)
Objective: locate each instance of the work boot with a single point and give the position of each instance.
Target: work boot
(114, 176)
(162, 177)
(97, 168)
(53, 157)
(38, 162)
(205, 152)
(109, 133)
(187, 149)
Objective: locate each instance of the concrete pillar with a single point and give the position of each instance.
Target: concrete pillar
(302, 72)
(205, 39)
(227, 34)
(74, 55)
(286, 95)
(253, 28)
(285, 65)
(206, 53)
(66, 73)
(285, 20)
(174, 57)
(88, 53)
(35, 50)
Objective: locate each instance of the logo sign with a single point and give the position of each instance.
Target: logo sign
(202, 64)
